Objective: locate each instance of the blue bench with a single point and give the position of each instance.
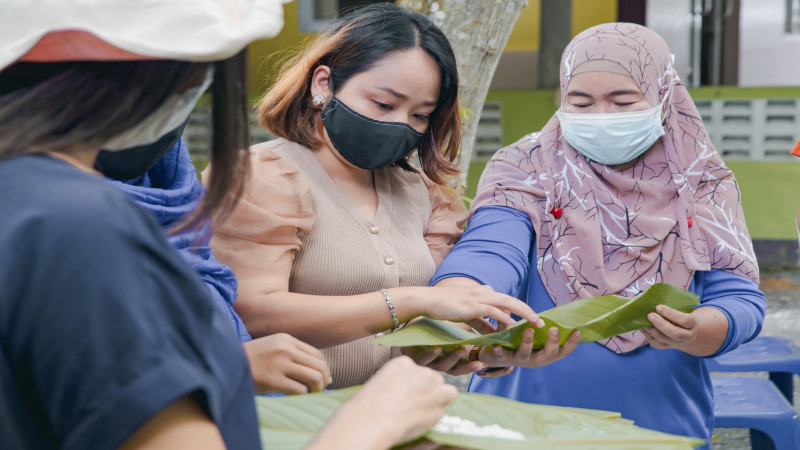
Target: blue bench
(779, 357)
(762, 406)
(755, 403)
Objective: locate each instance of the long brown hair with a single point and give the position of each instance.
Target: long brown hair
(71, 107)
(354, 44)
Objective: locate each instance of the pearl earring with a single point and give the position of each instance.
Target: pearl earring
(318, 99)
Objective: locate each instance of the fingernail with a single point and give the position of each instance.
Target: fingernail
(497, 350)
(541, 323)
(660, 308)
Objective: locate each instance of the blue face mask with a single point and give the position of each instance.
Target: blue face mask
(612, 138)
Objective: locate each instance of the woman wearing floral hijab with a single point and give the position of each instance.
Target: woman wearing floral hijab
(620, 190)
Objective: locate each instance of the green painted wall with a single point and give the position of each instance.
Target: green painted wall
(524, 110)
(770, 197)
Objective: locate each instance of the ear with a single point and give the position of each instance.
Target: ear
(320, 82)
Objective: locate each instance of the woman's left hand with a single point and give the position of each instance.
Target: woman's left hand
(671, 328)
(699, 333)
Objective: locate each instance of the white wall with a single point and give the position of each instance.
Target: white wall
(767, 55)
(672, 19)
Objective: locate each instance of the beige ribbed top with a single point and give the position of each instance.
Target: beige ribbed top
(295, 230)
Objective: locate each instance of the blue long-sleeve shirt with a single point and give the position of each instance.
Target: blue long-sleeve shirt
(665, 390)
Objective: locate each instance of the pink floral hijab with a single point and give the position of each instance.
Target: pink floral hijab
(599, 231)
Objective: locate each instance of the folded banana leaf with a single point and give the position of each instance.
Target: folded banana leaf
(597, 318)
(290, 422)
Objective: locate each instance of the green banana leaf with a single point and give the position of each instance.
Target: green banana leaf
(597, 318)
(290, 422)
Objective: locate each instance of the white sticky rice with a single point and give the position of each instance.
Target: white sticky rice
(457, 425)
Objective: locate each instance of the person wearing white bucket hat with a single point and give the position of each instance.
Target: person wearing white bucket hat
(108, 338)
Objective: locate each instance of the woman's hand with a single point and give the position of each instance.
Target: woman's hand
(454, 361)
(281, 363)
(699, 333)
(466, 300)
(500, 361)
(413, 398)
(470, 304)
(399, 403)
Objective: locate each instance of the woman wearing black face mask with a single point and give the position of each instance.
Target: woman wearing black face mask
(337, 235)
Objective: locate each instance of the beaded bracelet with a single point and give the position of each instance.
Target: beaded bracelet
(391, 309)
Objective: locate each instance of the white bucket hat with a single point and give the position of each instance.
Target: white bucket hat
(109, 30)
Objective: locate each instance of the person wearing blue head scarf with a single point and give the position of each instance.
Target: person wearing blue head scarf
(171, 190)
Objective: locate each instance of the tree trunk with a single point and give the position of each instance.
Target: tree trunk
(478, 31)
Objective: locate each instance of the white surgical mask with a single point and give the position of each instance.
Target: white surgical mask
(169, 116)
(614, 138)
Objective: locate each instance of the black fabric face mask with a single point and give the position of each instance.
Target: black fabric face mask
(367, 143)
(134, 162)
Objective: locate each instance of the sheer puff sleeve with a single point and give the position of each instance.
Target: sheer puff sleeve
(446, 224)
(259, 240)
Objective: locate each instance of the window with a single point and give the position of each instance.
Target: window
(315, 14)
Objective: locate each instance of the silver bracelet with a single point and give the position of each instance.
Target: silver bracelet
(391, 309)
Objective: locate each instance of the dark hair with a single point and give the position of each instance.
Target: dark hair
(353, 44)
(68, 107)
(230, 118)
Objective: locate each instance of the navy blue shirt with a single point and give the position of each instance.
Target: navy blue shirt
(102, 324)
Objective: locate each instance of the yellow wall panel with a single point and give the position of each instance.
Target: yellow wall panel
(587, 13)
(262, 54)
(525, 36)
(265, 54)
